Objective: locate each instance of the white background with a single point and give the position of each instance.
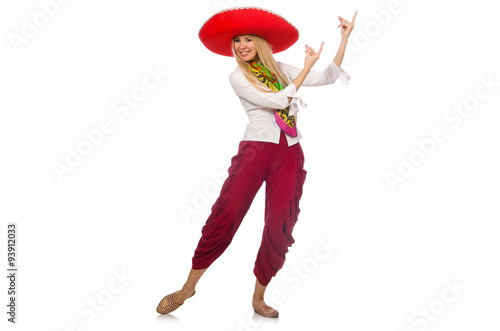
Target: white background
(119, 210)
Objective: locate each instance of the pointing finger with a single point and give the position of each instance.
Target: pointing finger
(354, 17)
(321, 48)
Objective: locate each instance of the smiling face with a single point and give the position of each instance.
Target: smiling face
(245, 48)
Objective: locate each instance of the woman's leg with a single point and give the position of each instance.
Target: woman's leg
(189, 287)
(258, 295)
(283, 192)
(258, 303)
(246, 175)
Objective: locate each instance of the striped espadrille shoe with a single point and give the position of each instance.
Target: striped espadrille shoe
(168, 305)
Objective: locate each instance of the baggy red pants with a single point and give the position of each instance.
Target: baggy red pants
(281, 167)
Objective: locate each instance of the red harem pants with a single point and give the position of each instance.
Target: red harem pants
(281, 167)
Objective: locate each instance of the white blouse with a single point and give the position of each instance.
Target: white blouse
(260, 106)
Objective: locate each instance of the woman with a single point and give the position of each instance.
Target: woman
(269, 150)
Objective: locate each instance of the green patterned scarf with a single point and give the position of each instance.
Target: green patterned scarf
(284, 121)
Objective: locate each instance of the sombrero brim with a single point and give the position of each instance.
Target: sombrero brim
(219, 30)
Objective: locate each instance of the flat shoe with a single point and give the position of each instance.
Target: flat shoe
(267, 311)
(168, 305)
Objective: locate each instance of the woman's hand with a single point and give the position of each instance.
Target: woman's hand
(312, 56)
(347, 26)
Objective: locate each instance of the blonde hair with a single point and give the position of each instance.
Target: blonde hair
(266, 58)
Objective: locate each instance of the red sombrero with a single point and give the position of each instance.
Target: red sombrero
(219, 30)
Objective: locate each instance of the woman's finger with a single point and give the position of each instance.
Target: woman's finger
(320, 48)
(310, 49)
(354, 17)
(344, 21)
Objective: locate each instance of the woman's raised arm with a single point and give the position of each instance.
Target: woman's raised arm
(311, 57)
(345, 33)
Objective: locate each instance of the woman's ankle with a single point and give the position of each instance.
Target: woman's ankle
(187, 290)
(257, 299)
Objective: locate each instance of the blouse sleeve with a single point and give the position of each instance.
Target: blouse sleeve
(275, 100)
(318, 78)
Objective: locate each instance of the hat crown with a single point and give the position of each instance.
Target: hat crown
(248, 7)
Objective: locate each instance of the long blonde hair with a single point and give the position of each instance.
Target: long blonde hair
(266, 57)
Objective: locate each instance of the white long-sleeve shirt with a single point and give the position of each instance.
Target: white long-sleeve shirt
(260, 106)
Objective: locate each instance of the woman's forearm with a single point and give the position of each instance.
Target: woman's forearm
(303, 74)
(300, 79)
(340, 53)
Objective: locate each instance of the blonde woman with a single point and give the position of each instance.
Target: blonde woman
(269, 150)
